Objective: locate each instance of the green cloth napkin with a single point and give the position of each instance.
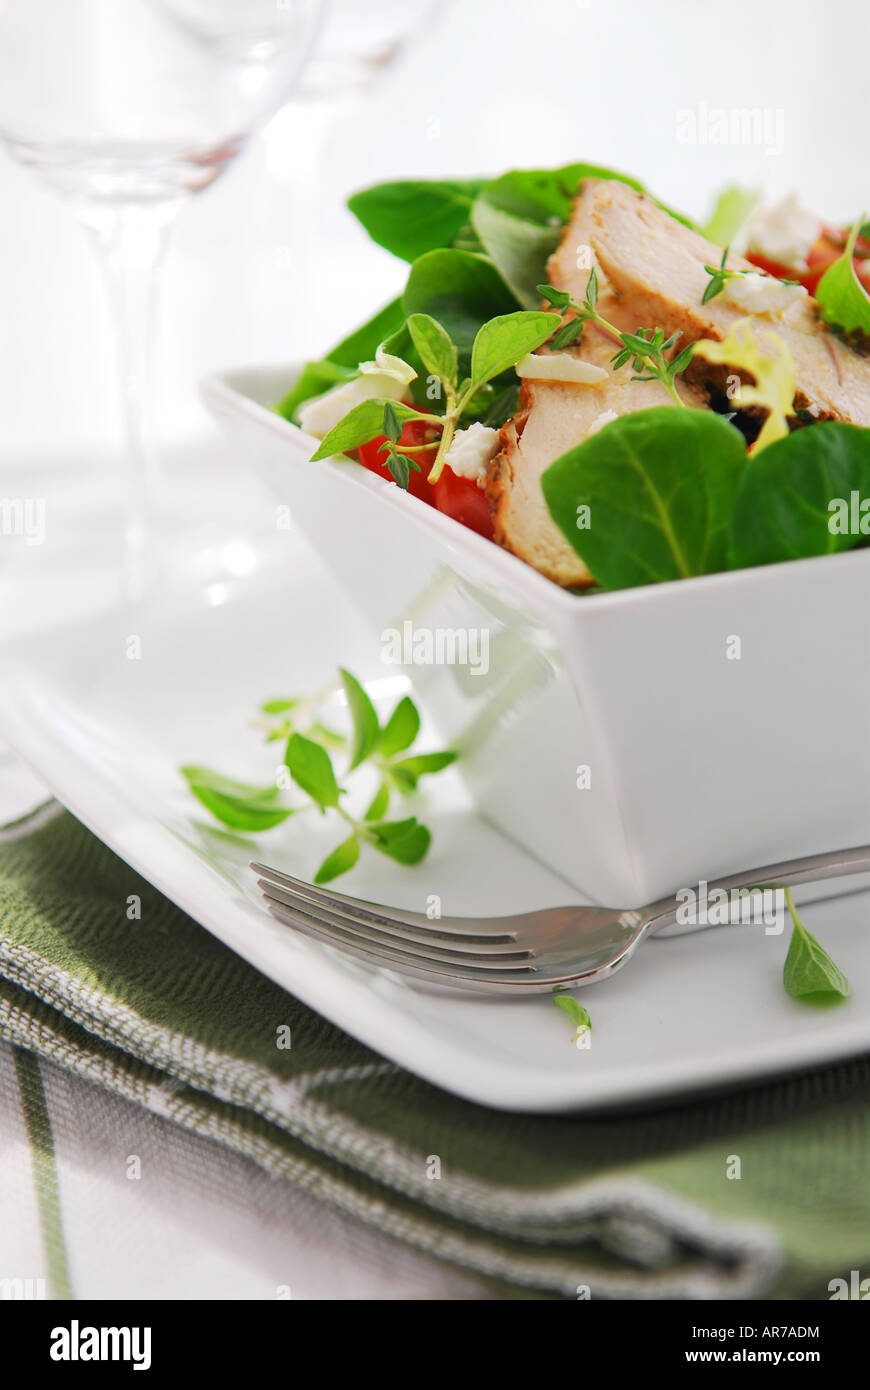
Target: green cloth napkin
(621, 1206)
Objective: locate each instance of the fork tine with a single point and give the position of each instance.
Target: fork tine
(383, 917)
(492, 948)
(398, 947)
(434, 972)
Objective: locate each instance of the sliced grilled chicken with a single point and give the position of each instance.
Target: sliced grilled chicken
(656, 265)
(553, 418)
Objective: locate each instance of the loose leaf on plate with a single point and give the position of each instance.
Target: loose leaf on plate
(576, 1012)
(408, 771)
(840, 294)
(413, 216)
(278, 706)
(659, 486)
(503, 341)
(437, 352)
(379, 804)
(311, 769)
(236, 804)
(401, 728)
(809, 969)
(405, 841)
(365, 720)
(342, 858)
(362, 423)
(796, 497)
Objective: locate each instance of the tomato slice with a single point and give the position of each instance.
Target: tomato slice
(462, 499)
(414, 433)
(457, 497)
(827, 248)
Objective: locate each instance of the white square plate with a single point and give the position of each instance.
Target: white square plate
(108, 733)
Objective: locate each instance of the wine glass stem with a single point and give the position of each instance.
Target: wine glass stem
(131, 239)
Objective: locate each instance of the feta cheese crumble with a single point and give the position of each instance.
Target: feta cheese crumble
(761, 294)
(471, 451)
(783, 233)
(321, 414)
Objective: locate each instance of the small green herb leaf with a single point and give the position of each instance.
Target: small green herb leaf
(406, 841)
(237, 805)
(392, 427)
(401, 728)
(311, 769)
(503, 341)
(379, 804)
(408, 771)
(361, 424)
(437, 352)
(278, 706)
(808, 968)
(576, 1012)
(366, 728)
(342, 858)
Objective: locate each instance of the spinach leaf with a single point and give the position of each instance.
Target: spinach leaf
(414, 216)
(786, 506)
(659, 486)
(461, 290)
(520, 216)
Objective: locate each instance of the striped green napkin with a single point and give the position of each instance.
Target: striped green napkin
(625, 1206)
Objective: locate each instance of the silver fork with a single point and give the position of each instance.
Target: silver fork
(522, 954)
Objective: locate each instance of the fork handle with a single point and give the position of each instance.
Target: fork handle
(840, 863)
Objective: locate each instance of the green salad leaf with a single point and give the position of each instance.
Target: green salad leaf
(401, 728)
(341, 363)
(785, 507)
(659, 486)
(412, 216)
(461, 290)
(840, 295)
(366, 729)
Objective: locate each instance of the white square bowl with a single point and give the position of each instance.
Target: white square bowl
(637, 742)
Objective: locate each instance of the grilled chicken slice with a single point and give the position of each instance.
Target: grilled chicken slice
(656, 265)
(553, 418)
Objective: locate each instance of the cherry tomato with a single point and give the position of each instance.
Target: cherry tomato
(827, 248)
(414, 433)
(462, 499)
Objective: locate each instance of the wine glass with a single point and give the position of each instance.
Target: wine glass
(125, 110)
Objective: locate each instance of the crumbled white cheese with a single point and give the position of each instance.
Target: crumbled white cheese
(559, 366)
(320, 415)
(471, 451)
(761, 294)
(393, 366)
(783, 233)
(601, 420)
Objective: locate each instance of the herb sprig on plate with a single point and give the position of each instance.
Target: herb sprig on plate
(309, 745)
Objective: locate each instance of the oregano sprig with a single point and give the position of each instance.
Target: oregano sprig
(309, 746)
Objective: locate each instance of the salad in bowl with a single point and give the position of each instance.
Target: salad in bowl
(586, 480)
(610, 393)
